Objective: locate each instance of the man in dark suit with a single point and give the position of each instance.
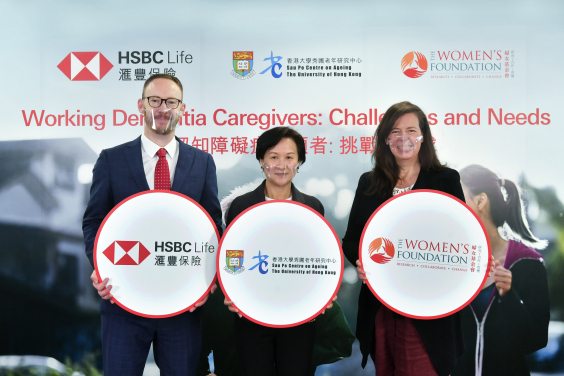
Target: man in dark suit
(155, 160)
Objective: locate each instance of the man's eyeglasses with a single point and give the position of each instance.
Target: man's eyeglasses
(171, 103)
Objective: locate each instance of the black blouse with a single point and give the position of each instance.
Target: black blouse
(442, 337)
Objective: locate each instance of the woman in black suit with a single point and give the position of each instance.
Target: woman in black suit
(405, 159)
(263, 350)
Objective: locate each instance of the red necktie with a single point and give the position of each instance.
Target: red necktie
(162, 174)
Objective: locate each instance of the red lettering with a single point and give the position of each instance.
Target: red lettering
(47, 120)
(412, 243)
(347, 114)
(521, 119)
(283, 120)
(252, 119)
(475, 116)
(432, 117)
(546, 119)
(509, 118)
(331, 116)
(123, 113)
(215, 116)
(132, 118)
(491, 113)
(434, 248)
(293, 118)
(32, 114)
(445, 55)
(312, 119)
(426, 245)
(466, 248)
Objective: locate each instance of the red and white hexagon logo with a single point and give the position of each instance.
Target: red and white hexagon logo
(85, 66)
(126, 253)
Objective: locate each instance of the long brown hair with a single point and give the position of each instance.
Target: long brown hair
(385, 173)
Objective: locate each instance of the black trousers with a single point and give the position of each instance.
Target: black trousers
(265, 351)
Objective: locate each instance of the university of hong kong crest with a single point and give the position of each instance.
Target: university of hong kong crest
(243, 65)
(234, 262)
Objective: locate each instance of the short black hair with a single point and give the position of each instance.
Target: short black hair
(272, 137)
(166, 77)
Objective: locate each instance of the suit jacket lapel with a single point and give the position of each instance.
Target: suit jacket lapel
(135, 164)
(422, 181)
(186, 157)
(258, 194)
(297, 195)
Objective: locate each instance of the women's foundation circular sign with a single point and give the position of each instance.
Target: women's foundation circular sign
(425, 253)
(280, 262)
(158, 248)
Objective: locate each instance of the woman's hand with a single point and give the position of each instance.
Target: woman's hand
(492, 267)
(103, 291)
(361, 273)
(502, 278)
(330, 305)
(231, 307)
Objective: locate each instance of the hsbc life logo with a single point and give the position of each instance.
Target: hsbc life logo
(133, 65)
(122, 252)
(85, 66)
(427, 254)
(126, 253)
(452, 64)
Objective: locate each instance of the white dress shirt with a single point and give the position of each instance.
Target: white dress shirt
(150, 158)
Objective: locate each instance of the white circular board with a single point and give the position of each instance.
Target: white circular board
(425, 253)
(299, 269)
(158, 248)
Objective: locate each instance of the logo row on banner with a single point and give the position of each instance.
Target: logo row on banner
(139, 65)
(281, 262)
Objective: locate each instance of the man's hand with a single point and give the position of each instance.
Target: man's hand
(103, 291)
(204, 299)
(502, 278)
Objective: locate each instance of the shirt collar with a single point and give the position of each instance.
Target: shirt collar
(151, 148)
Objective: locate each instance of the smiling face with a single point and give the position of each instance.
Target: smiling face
(280, 163)
(165, 119)
(405, 138)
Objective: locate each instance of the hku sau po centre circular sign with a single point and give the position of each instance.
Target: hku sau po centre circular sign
(280, 262)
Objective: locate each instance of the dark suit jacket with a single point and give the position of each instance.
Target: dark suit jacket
(252, 198)
(442, 337)
(119, 173)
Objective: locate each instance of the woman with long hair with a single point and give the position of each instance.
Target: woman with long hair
(404, 159)
(509, 317)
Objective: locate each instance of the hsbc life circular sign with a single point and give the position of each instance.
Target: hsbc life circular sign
(280, 262)
(425, 253)
(158, 248)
